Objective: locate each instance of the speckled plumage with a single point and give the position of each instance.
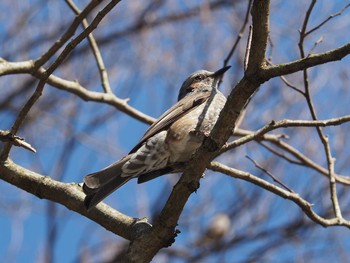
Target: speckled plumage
(172, 139)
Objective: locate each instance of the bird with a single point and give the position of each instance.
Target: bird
(169, 142)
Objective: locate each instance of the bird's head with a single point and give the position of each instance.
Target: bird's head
(201, 80)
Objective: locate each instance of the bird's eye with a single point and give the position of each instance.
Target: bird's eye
(199, 78)
(190, 89)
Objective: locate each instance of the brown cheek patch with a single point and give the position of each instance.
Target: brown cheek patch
(195, 85)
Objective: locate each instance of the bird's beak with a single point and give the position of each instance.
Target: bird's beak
(220, 72)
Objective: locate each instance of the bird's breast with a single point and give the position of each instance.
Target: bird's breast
(182, 137)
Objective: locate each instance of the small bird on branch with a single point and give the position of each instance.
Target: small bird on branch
(169, 142)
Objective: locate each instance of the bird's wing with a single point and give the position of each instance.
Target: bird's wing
(185, 105)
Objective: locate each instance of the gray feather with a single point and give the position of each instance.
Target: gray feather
(99, 185)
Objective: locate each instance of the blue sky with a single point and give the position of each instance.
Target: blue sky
(74, 137)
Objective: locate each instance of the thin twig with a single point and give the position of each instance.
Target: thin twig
(279, 154)
(66, 51)
(247, 51)
(7, 136)
(95, 50)
(302, 203)
(324, 139)
(20, 118)
(239, 37)
(332, 181)
(269, 57)
(327, 20)
(304, 160)
(261, 135)
(269, 174)
(7, 68)
(285, 81)
(67, 35)
(305, 22)
(315, 45)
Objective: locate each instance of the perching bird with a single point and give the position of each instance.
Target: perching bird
(169, 142)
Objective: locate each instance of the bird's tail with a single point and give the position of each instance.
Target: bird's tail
(99, 185)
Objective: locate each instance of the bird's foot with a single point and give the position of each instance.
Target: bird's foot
(200, 134)
(172, 240)
(209, 143)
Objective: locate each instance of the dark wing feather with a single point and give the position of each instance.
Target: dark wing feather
(99, 185)
(188, 103)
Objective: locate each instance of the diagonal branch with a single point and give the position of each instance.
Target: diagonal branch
(73, 87)
(7, 136)
(238, 38)
(261, 134)
(95, 50)
(323, 138)
(71, 196)
(327, 20)
(163, 232)
(269, 174)
(66, 51)
(67, 35)
(303, 204)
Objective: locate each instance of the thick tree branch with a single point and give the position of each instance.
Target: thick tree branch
(71, 196)
(163, 232)
(307, 62)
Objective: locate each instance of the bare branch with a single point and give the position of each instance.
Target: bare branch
(95, 50)
(324, 139)
(279, 154)
(261, 135)
(285, 81)
(7, 136)
(273, 125)
(247, 50)
(38, 91)
(20, 118)
(67, 35)
(74, 87)
(306, 62)
(71, 196)
(332, 180)
(269, 174)
(239, 37)
(304, 160)
(327, 20)
(164, 227)
(303, 204)
(316, 44)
